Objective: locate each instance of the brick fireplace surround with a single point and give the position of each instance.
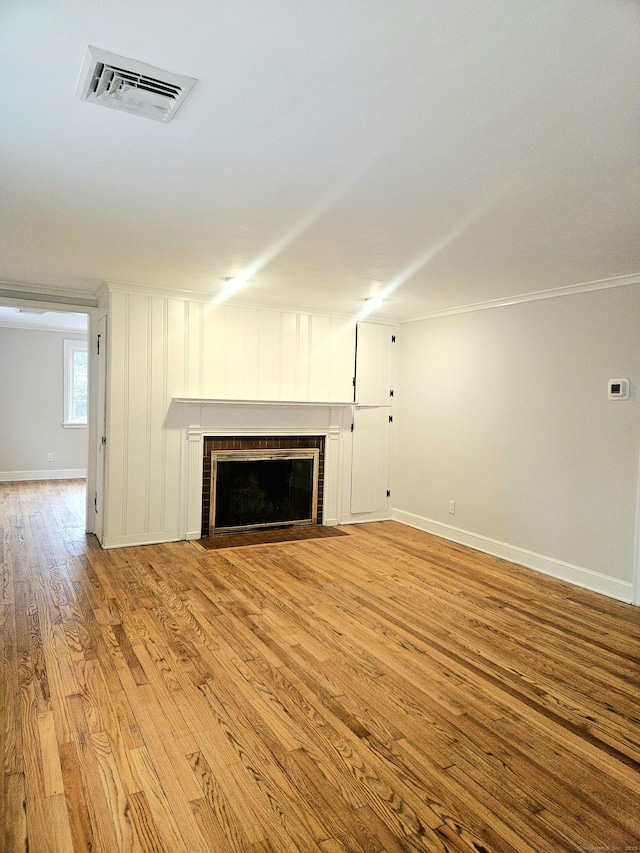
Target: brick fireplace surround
(266, 442)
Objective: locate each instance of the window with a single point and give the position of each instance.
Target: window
(76, 376)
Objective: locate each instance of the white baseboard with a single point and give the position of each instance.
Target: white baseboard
(60, 474)
(365, 518)
(585, 578)
(144, 539)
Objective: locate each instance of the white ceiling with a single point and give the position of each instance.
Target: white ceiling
(448, 151)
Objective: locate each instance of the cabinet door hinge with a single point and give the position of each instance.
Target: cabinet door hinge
(388, 493)
(391, 392)
(351, 427)
(390, 419)
(393, 339)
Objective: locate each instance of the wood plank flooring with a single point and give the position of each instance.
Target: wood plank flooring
(379, 691)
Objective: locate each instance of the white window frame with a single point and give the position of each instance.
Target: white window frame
(70, 348)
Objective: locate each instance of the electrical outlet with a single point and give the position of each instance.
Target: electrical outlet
(452, 507)
(49, 457)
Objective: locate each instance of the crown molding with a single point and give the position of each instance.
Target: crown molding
(13, 290)
(535, 296)
(210, 299)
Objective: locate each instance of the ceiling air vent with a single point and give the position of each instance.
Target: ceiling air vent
(132, 86)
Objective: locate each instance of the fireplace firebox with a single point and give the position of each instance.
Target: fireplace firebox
(253, 489)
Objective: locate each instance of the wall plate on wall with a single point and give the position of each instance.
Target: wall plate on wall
(618, 389)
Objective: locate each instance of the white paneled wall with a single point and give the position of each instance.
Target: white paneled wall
(258, 354)
(161, 347)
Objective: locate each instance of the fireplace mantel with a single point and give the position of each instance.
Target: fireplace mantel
(203, 401)
(226, 417)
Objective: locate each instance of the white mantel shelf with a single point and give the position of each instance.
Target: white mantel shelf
(202, 401)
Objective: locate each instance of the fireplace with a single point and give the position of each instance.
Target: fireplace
(253, 489)
(222, 424)
(256, 482)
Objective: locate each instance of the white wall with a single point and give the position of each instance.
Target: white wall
(505, 411)
(31, 408)
(161, 347)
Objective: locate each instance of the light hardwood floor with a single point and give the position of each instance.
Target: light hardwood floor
(381, 691)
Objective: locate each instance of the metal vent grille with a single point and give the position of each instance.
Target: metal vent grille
(135, 87)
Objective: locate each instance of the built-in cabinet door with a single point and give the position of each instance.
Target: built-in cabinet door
(371, 424)
(370, 460)
(373, 364)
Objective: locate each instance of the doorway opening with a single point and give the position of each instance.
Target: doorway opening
(45, 384)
